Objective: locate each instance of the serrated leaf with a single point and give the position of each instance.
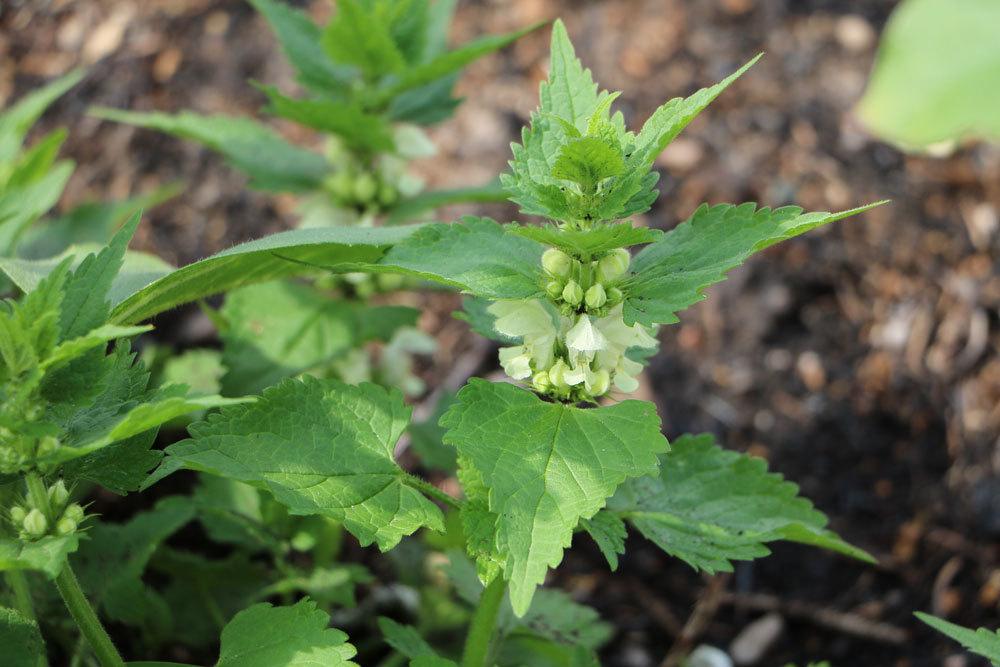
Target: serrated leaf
(295, 636)
(138, 269)
(475, 255)
(35, 162)
(671, 274)
(299, 38)
(546, 466)
(587, 161)
(327, 449)
(709, 506)
(101, 336)
(597, 240)
(18, 119)
(448, 63)
(358, 36)
(47, 555)
(158, 409)
(935, 74)
(121, 467)
(21, 639)
(541, 652)
(357, 129)
(554, 615)
(271, 162)
(608, 531)
(982, 642)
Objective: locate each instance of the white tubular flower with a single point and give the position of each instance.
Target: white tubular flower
(620, 338)
(585, 340)
(531, 322)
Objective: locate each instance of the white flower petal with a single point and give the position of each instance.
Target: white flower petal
(516, 362)
(585, 337)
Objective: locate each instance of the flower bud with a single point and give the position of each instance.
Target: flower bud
(554, 289)
(557, 263)
(601, 383)
(365, 188)
(35, 523)
(557, 374)
(65, 526)
(596, 297)
(341, 185)
(540, 382)
(47, 446)
(17, 514)
(615, 296)
(613, 265)
(572, 293)
(387, 195)
(58, 495)
(74, 512)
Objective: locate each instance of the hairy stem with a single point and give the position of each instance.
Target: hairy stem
(22, 601)
(432, 491)
(69, 588)
(479, 641)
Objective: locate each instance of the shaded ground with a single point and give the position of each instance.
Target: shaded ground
(861, 361)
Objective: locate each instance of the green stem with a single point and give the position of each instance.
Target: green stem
(22, 602)
(81, 611)
(432, 491)
(480, 638)
(69, 588)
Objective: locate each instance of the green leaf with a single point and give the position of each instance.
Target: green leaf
(121, 467)
(327, 449)
(448, 63)
(47, 555)
(296, 636)
(405, 639)
(409, 209)
(20, 206)
(587, 161)
(138, 269)
(608, 531)
(277, 256)
(456, 255)
(982, 642)
(710, 506)
(112, 563)
(570, 92)
(541, 652)
(280, 329)
(85, 303)
(99, 337)
(91, 223)
(554, 615)
(357, 129)
(37, 161)
(547, 466)
(935, 74)
(21, 639)
(18, 119)
(672, 273)
(597, 240)
(357, 36)
(271, 162)
(427, 439)
(300, 42)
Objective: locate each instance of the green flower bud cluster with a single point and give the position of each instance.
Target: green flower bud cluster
(32, 523)
(360, 189)
(585, 287)
(20, 453)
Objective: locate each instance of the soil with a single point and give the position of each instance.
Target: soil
(862, 360)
